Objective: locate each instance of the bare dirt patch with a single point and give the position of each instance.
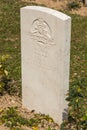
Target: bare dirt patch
(82, 11)
(13, 101)
(60, 5)
(9, 101)
(49, 3)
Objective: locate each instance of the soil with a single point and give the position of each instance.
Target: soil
(12, 101)
(60, 5)
(8, 101)
(82, 11)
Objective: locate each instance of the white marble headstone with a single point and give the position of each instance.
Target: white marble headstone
(45, 48)
(85, 2)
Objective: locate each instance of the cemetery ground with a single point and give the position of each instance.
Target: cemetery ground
(12, 114)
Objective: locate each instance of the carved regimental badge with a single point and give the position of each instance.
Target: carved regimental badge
(41, 32)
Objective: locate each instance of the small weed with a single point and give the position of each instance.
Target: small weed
(77, 99)
(49, 128)
(12, 119)
(73, 5)
(6, 84)
(3, 73)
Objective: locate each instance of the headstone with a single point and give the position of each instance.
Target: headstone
(85, 2)
(45, 45)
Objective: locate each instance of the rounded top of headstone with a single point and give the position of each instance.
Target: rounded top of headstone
(53, 12)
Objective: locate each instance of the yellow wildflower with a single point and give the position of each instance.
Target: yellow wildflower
(6, 72)
(35, 128)
(0, 66)
(77, 100)
(79, 89)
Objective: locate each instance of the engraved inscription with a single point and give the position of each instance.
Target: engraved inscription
(42, 58)
(41, 32)
(43, 42)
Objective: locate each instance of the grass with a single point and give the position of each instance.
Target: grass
(10, 36)
(78, 47)
(10, 42)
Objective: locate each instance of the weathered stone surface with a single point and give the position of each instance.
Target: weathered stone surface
(85, 2)
(45, 45)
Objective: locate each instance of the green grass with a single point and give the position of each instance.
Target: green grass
(79, 47)
(10, 36)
